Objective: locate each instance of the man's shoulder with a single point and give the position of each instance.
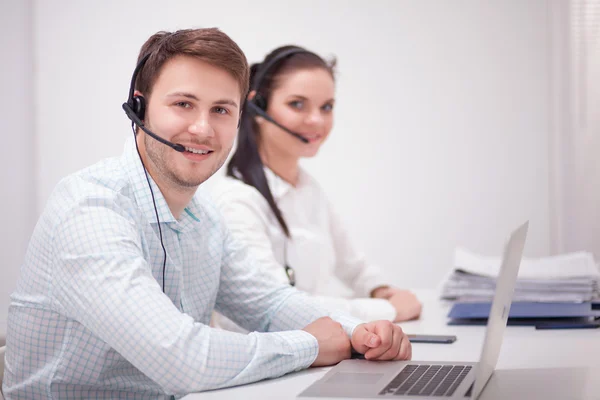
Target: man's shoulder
(103, 183)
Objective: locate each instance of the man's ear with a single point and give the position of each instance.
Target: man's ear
(251, 95)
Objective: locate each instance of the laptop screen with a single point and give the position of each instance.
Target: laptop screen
(505, 286)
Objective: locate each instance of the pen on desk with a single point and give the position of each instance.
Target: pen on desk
(422, 338)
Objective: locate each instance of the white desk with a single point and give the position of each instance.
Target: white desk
(523, 347)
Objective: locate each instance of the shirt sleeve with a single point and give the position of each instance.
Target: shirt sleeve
(101, 280)
(251, 297)
(352, 267)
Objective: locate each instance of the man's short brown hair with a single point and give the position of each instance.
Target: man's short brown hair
(208, 44)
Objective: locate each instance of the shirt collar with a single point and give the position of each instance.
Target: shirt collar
(190, 217)
(280, 187)
(143, 197)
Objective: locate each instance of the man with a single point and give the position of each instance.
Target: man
(127, 261)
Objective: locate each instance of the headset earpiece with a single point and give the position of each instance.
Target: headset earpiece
(260, 101)
(139, 106)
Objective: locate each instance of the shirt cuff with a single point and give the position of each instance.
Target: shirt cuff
(303, 345)
(348, 322)
(369, 309)
(366, 287)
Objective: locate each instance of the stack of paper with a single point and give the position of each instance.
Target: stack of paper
(573, 277)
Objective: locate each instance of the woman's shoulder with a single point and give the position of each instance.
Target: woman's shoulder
(228, 190)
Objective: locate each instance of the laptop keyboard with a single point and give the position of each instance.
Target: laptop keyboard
(427, 380)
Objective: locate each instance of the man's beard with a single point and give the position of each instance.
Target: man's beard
(157, 155)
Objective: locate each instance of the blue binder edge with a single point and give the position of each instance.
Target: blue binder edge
(461, 310)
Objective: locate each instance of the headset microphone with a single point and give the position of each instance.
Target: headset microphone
(136, 120)
(266, 116)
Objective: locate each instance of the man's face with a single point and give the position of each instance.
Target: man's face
(196, 105)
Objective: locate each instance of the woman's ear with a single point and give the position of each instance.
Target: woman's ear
(259, 120)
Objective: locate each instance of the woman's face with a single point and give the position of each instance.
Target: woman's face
(302, 101)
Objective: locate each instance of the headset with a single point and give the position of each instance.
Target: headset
(258, 103)
(135, 109)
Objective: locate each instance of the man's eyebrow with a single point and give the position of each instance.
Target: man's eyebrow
(191, 96)
(183, 94)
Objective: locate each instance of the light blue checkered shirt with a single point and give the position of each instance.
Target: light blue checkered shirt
(89, 318)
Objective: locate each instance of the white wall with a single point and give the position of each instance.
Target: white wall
(441, 133)
(17, 156)
(575, 125)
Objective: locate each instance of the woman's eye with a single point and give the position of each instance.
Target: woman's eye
(221, 110)
(183, 104)
(327, 107)
(297, 104)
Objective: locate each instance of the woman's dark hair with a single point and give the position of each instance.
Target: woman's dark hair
(245, 164)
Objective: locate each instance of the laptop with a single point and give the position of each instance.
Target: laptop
(361, 379)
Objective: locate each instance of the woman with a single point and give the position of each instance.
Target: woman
(279, 210)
